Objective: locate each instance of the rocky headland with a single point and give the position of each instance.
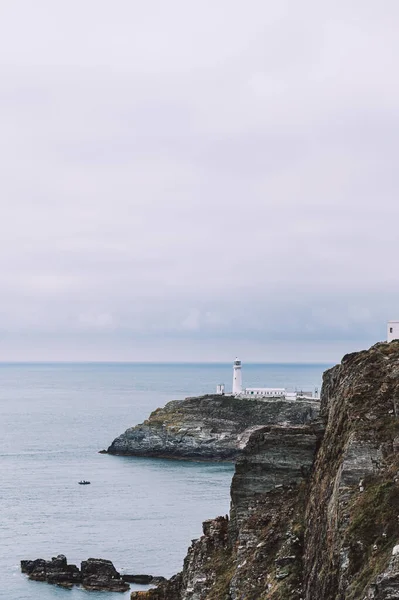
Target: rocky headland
(314, 505)
(212, 427)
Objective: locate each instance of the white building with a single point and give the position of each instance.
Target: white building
(259, 393)
(254, 393)
(393, 331)
(237, 381)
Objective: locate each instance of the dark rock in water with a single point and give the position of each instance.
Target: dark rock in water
(28, 566)
(98, 567)
(143, 579)
(36, 569)
(210, 427)
(99, 574)
(64, 584)
(139, 579)
(95, 574)
(55, 570)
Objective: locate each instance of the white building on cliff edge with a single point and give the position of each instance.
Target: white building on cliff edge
(393, 331)
(264, 393)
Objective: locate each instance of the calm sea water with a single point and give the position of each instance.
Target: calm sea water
(139, 513)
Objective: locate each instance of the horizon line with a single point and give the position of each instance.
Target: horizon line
(153, 362)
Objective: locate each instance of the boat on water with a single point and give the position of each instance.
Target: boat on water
(83, 482)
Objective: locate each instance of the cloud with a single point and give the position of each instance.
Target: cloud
(95, 320)
(202, 175)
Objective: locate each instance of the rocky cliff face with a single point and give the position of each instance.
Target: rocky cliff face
(208, 427)
(236, 557)
(352, 517)
(315, 507)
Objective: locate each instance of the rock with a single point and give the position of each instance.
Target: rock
(28, 566)
(143, 579)
(139, 579)
(98, 567)
(100, 575)
(95, 573)
(275, 456)
(386, 586)
(196, 579)
(208, 427)
(36, 569)
(56, 571)
(64, 584)
(358, 444)
(158, 579)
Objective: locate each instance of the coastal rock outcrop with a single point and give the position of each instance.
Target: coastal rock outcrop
(208, 427)
(95, 574)
(55, 571)
(99, 574)
(352, 513)
(314, 507)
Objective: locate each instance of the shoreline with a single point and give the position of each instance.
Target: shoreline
(231, 461)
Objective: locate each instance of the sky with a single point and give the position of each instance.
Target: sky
(191, 181)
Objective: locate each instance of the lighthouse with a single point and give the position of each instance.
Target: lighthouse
(237, 383)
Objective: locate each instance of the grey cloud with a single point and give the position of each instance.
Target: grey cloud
(212, 176)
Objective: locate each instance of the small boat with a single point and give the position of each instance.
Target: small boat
(83, 482)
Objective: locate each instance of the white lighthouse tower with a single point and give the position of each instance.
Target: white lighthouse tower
(237, 383)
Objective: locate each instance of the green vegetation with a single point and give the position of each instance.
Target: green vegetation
(222, 565)
(373, 531)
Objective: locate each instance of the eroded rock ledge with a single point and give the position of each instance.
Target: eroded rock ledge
(208, 427)
(314, 509)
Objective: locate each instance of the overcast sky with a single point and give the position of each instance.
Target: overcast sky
(196, 179)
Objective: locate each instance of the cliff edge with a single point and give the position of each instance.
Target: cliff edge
(314, 507)
(210, 427)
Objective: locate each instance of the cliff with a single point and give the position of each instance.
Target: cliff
(351, 518)
(208, 427)
(314, 507)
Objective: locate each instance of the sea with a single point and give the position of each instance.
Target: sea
(140, 513)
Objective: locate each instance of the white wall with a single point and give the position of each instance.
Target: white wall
(393, 331)
(263, 392)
